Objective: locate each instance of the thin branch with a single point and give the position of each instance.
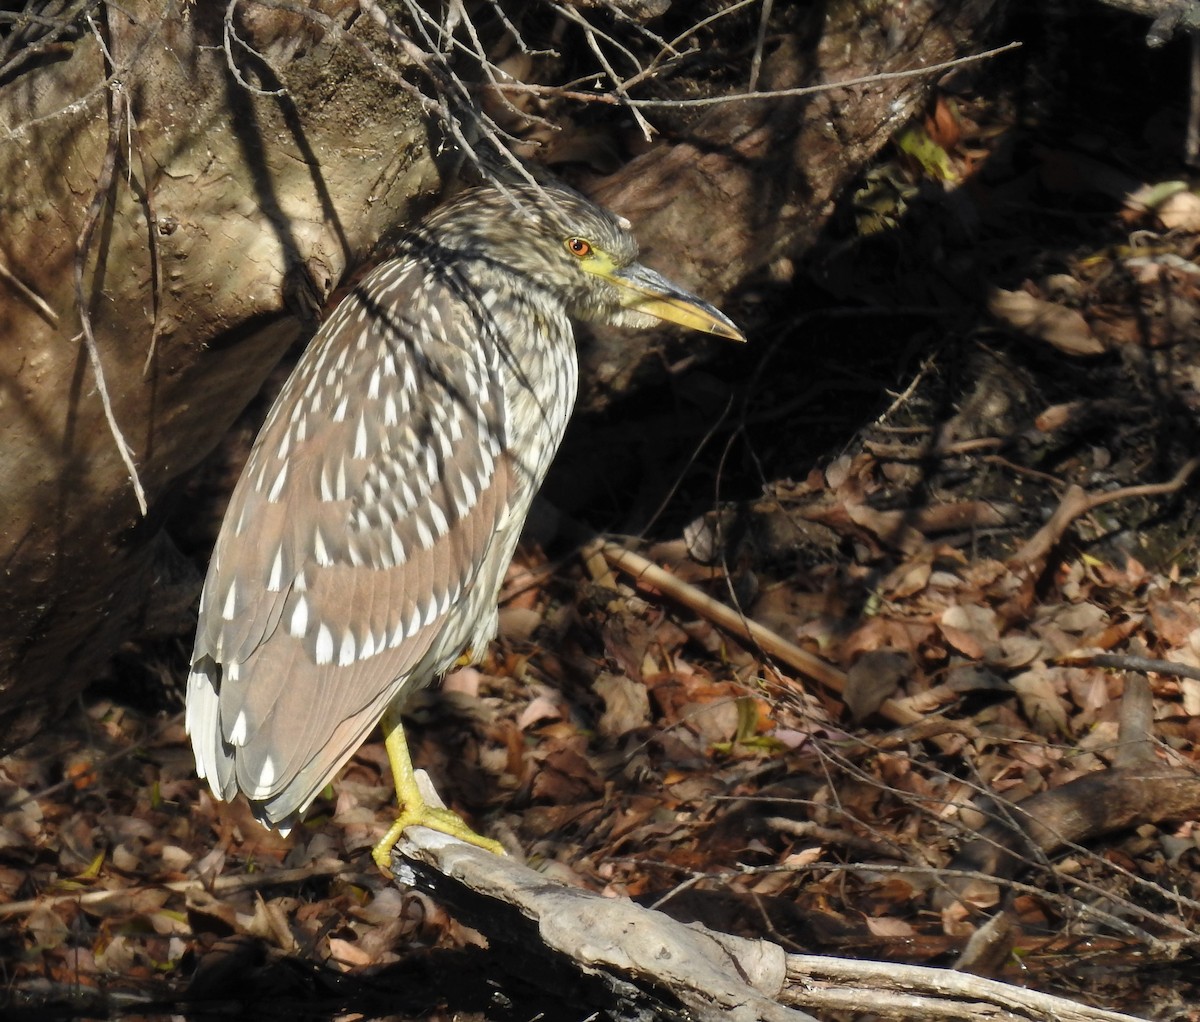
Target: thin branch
(492, 72)
(697, 450)
(1078, 502)
(223, 885)
(760, 40)
(82, 247)
(502, 16)
(56, 27)
(918, 991)
(649, 573)
(592, 35)
(1129, 662)
(229, 35)
(731, 620)
(36, 300)
(807, 90)
(147, 193)
(725, 12)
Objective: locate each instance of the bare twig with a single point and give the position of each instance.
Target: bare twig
(229, 36)
(619, 84)
(1169, 17)
(764, 19)
(724, 617)
(82, 247)
(697, 449)
(502, 16)
(1078, 502)
(919, 992)
(741, 97)
(714, 976)
(1191, 146)
(710, 972)
(18, 38)
(223, 885)
(649, 573)
(34, 299)
(495, 75)
(147, 195)
(1129, 662)
(672, 47)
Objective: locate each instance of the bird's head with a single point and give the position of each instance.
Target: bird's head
(557, 241)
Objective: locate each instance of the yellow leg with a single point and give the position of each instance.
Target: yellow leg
(414, 810)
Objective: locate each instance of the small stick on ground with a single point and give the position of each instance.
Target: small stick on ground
(1130, 662)
(771, 643)
(223, 885)
(1078, 502)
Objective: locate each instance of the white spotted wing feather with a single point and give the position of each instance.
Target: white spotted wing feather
(348, 568)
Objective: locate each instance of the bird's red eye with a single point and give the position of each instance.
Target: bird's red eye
(579, 248)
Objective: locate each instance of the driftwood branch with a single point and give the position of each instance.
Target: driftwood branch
(1167, 17)
(650, 965)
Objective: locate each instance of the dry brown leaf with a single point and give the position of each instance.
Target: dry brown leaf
(125, 859)
(1079, 618)
(886, 926)
(517, 624)
(712, 721)
(804, 857)
(1191, 696)
(980, 622)
(1064, 328)
(1041, 702)
(1056, 416)
(1017, 651)
(1116, 632)
(838, 471)
(1174, 621)
(565, 775)
(26, 820)
(269, 923)
(963, 641)
(175, 859)
(882, 632)
(891, 527)
(46, 927)
(464, 681)
(211, 914)
(1090, 688)
(539, 709)
(118, 957)
(978, 894)
(211, 866)
(874, 677)
(348, 953)
(908, 579)
(626, 705)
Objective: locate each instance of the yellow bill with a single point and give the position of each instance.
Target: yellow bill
(644, 290)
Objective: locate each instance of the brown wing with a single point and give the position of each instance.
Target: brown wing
(353, 540)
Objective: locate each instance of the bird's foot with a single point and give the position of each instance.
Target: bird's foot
(435, 818)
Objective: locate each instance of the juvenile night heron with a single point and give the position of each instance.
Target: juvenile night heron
(365, 543)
